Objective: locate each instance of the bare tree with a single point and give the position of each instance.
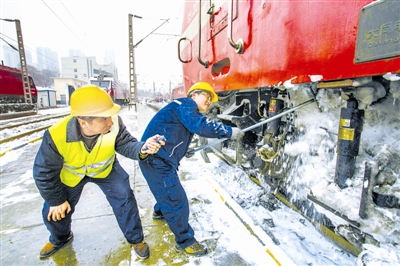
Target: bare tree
(36, 75)
(48, 76)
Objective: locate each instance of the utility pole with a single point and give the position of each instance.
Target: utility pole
(24, 66)
(22, 59)
(132, 73)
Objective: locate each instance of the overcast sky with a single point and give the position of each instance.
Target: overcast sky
(96, 26)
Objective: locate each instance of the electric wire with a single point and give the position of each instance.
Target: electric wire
(73, 18)
(64, 23)
(42, 57)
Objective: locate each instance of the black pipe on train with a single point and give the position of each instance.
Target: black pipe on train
(350, 128)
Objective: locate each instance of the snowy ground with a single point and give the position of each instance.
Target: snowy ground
(302, 243)
(380, 146)
(6, 133)
(296, 236)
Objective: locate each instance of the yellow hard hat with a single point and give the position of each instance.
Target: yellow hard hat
(203, 86)
(90, 100)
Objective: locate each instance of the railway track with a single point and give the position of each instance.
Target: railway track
(11, 132)
(24, 132)
(24, 123)
(155, 107)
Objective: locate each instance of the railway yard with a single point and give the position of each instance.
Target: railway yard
(312, 178)
(239, 222)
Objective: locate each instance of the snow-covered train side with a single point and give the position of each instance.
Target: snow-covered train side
(116, 90)
(335, 160)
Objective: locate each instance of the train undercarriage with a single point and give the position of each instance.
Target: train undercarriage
(335, 160)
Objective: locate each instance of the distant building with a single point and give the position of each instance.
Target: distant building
(46, 97)
(75, 52)
(78, 67)
(109, 70)
(64, 88)
(47, 59)
(10, 56)
(29, 58)
(83, 68)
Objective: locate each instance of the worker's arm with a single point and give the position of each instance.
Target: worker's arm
(46, 172)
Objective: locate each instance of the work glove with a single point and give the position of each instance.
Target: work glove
(189, 153)
(236, 133)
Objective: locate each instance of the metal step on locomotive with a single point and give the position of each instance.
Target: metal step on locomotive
(334, 159)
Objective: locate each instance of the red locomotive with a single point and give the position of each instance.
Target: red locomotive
(265, 57)
(115, 89)
(11, 90)
(178, 92)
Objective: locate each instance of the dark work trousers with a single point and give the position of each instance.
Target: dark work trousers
(119, 194)
(171, 198)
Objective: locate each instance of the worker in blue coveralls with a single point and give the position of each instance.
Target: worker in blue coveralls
(82, 148)
(178, 122)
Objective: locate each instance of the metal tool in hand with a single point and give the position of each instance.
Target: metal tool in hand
(256, 125)
(158, 140)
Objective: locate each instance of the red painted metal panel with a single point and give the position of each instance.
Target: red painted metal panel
(178, 92)
(284, 40)
(11, 83)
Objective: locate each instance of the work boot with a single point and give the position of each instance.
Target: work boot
(195, 249)
(49, 249)
(158, 215)
(142, 250)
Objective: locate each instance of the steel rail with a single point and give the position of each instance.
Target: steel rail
(154, 107)
(31, 122)
(27, 133)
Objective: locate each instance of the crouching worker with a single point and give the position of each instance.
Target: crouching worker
(178, 122)
(82, 148)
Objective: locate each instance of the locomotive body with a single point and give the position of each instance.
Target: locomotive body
(262, 43)
(11, 90)
(117, 92)
(178, 92)
(264, 58)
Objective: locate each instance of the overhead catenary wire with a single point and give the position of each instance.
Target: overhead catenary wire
(64, 23)
(9, 44)
(27, 48)
(60, 11)
(73, 18)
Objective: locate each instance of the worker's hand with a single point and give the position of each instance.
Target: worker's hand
(189, 153)
(152, 145)
(57, 213)
(236, 133)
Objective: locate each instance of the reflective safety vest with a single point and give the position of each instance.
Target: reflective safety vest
(78, 162)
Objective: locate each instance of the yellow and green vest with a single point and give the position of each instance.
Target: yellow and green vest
(78, 162)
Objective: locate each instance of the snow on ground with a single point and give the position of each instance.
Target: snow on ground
(380, 146)
(6, 133)
(295, 235)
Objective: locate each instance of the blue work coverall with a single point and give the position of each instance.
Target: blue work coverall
(46, 172)
(178, 122)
